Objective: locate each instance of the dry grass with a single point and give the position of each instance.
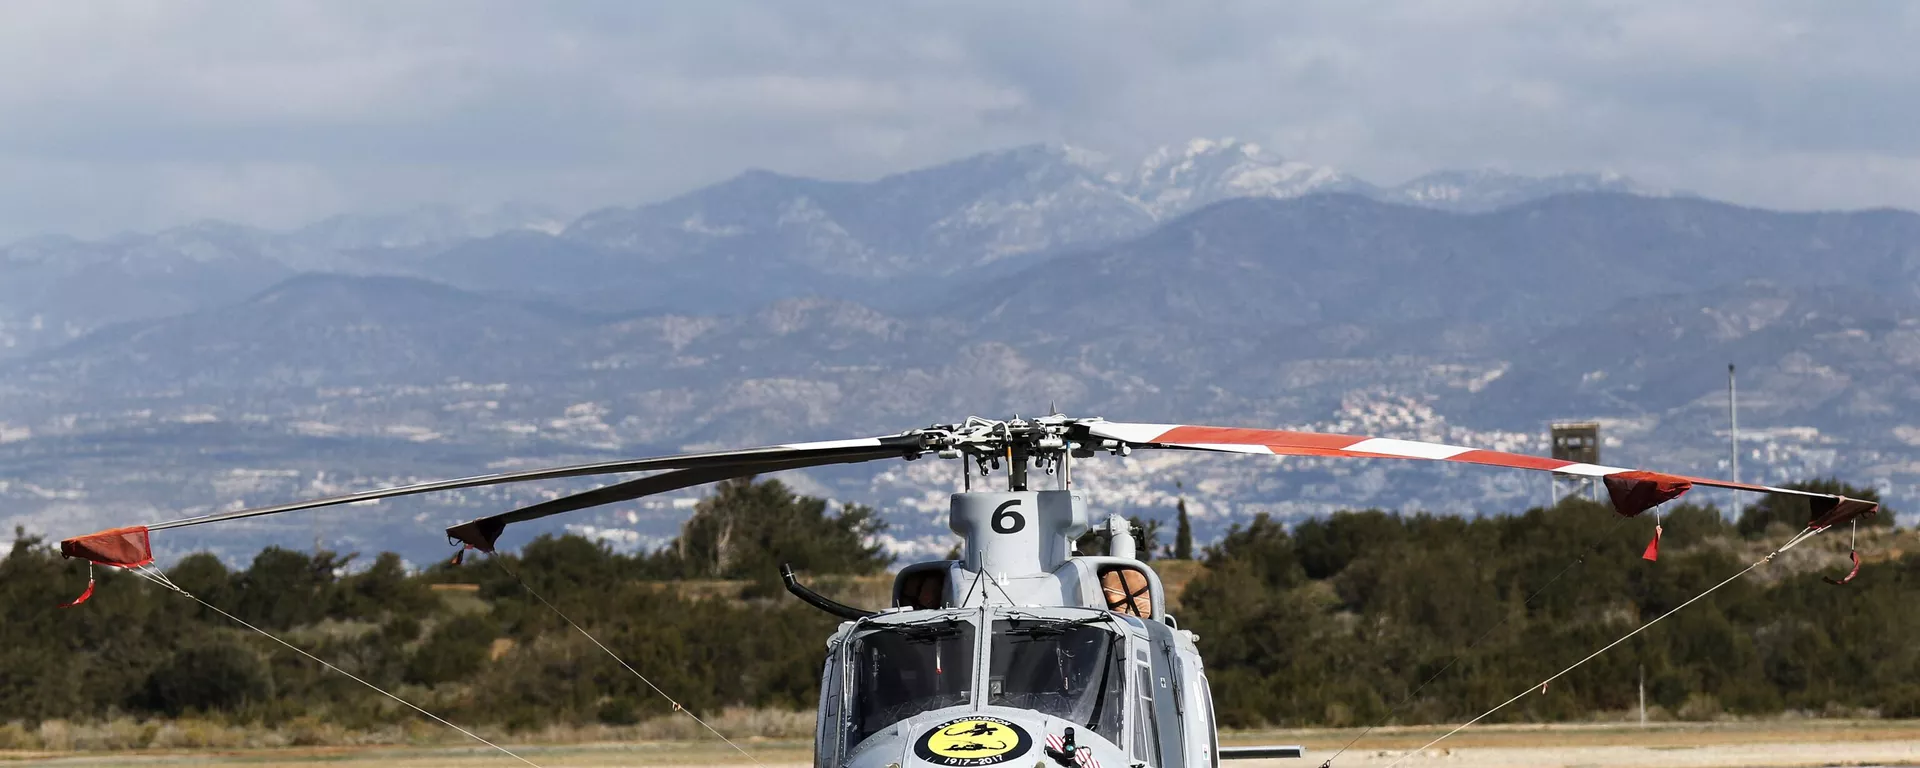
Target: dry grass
(130, 735)
(1754, 744)
(737, 724)
(1653, 735)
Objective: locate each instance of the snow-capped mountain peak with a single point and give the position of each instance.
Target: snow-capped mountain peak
(1172, 180)
(1488, 189)
(1090, 159)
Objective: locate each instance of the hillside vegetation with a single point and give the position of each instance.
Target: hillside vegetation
(1329, 623)
(1338, 621)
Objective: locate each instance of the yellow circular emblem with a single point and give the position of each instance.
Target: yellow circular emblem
(977, 740)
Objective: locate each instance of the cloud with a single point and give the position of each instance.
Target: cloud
(144, 114)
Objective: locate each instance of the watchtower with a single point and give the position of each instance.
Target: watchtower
(1575, 441)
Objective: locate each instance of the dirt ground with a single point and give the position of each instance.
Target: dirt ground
(769, 754)
(1725, 745)
(1677, 745)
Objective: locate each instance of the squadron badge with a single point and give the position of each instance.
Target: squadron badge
(974, 740)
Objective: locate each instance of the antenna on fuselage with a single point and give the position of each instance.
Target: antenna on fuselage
(1017, 466)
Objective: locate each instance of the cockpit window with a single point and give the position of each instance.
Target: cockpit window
(1073, 670)
(901, 671)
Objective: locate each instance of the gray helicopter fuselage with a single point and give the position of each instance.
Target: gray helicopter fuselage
(995, 658)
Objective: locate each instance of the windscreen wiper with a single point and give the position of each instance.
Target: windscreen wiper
(1100, 691)
(920, 634)
(1049, 627)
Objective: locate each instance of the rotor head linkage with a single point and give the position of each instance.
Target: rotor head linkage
(1046, 443)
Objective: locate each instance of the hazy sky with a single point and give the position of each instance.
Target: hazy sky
(145, 114)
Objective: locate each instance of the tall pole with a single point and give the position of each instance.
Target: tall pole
(1733, 421)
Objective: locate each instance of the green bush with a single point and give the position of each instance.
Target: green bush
(217, 677)
(455, 650)
(1901, 701)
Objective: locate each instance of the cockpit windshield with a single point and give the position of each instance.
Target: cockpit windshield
(901, 671)
(1073, 670)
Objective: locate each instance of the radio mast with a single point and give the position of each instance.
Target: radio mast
(1733, 422)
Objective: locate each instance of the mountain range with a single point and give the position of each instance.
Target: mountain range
(216, 365)
(729, 247)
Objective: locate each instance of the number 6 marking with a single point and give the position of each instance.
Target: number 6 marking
(1005, 520)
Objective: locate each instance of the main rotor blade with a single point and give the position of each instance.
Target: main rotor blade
(95, 547)
(1632, 491)
(484, 532)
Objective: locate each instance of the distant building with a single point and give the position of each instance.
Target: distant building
(1576, 441)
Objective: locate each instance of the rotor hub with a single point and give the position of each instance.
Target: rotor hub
(1047, 443)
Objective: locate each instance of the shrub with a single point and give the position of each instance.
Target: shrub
(453, 651)
(214, 677)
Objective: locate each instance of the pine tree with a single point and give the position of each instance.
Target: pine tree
(1183, 535)
(749, 527)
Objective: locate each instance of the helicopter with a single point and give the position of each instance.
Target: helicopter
(1020, 650)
